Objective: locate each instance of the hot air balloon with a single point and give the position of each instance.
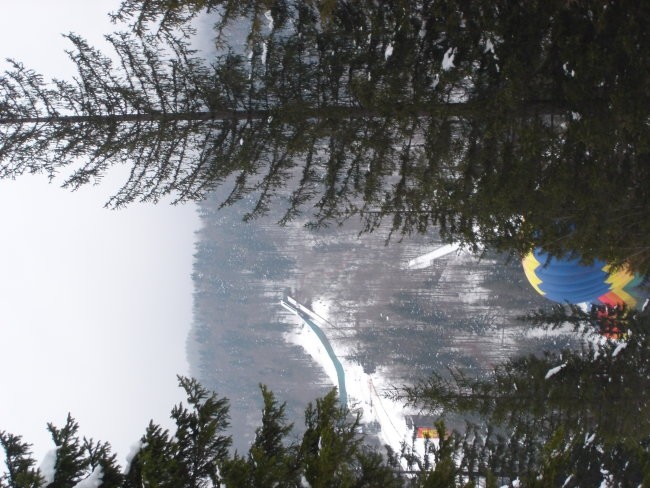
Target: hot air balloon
(567, 280)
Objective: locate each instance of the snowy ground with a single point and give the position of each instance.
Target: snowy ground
(426, 260)
(366, 392)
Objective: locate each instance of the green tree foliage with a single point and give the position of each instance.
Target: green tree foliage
(272, 459)
(331, 453)
(169, 15)
(192, 456)
(329, 443)
(71, 464)
(81, 458)
(526, 139)
(575, 414)
(438, 467)
(505, 123)
(20, 471)
(197, 454)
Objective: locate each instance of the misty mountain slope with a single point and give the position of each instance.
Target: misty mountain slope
(461, 311)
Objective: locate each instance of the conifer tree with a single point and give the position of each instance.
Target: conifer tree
(555, 416)
(197, 453)
(502, 123)
(272, 458)
(80, 458)
(192, 456)
(71, 464)
(329, 444)
(20, 466)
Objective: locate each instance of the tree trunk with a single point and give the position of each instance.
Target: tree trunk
(456, 109)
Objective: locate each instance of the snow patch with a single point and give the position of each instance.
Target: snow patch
(309, 341)
(389, 51)
(448, 59)
(265, 51)
(48, 466)
(619, 348)
(93, 481)
(269, 18)
(133, 451)
(567, 71)
(608, 479)
(426, 260)
(554, 371)
(544, 333)
(322, 309)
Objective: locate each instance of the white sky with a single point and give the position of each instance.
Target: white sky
(95, 305)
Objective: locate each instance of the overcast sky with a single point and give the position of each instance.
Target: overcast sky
(95, 305)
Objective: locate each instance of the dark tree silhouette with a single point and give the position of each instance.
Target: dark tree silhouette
(506, 124)
(574, 413)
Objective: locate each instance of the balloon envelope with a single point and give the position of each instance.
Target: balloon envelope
(566, 280)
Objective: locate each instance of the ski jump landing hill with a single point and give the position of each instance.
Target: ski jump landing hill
(310, 318)
(357, 389)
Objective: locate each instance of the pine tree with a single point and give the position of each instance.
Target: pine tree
(71, 464)
(20, 472)
(155, 464)
(536, 136)
(329, 444)
(271, 459)
(192, 456)
(549, 417)
(103, 463)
